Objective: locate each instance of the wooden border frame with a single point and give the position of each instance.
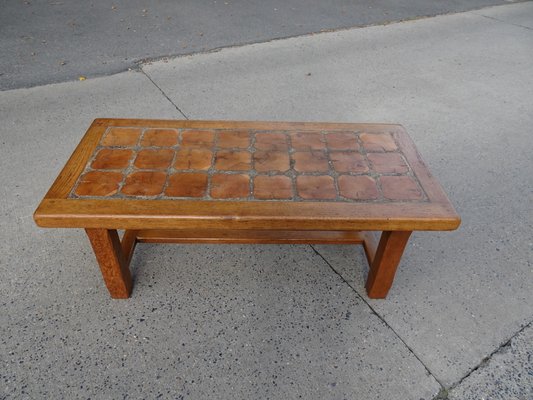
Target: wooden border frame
(57, 210)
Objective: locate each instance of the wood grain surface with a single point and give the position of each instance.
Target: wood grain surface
(435, 212)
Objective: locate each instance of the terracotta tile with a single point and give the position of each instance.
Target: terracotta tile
(160, 137)
(112, 159)
(121, 137)
(144, 183)
(197, 138)
(348, 161)
(98, 183)
(271, 141)
(229, 139)
(315, 161)
(358, 187)
(400, 188)
(154, 159)
(226, 186)
(387, 163)
(378, 142)
(271, 161)
(193, 158)
(316, 187)
(307, 141)
(187, 184)
(342, 141)
(233, 160)
(272, 187)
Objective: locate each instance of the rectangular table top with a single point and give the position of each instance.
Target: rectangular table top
(138, 174)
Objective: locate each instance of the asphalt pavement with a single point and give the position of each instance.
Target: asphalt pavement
(43, 42)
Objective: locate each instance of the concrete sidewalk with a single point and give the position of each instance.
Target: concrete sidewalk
(287, 322)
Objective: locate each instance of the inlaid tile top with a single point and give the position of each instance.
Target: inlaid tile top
(246, 164)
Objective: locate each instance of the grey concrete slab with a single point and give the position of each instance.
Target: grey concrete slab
(224, 322)
(53, 41)
(43, 331)
(462, 85)
(520, 16)
(209, 322)
(508, 375)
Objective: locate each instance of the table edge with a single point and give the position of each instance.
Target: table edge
(56, 210)
(183, 214)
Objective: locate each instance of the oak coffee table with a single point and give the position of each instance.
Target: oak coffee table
(245, 182)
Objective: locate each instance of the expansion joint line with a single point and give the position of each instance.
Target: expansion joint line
(443, 394)
(503, 22)
(164, 94)
(379, 316)
(486, 359)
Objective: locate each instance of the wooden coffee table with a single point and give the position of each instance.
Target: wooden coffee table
(245, 182)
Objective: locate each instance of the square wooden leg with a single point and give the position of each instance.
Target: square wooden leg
(384, 263)
(113, 261)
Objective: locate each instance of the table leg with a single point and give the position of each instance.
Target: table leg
(385, 262)
(113, 264)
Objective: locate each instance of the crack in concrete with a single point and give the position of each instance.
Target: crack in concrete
(444, 391)
(504, 22)
(163, 93)
(443, 394)
(381, 318)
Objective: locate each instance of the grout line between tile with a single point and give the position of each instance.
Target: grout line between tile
(379, 316)
(164, 94)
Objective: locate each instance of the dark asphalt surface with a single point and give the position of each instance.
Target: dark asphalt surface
(53, 41)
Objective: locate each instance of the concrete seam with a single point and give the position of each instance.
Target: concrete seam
(482, 363)
(443, 394)
(149, 60)
(380, 317)
(163, 93)
(137, 64)
(504, 22)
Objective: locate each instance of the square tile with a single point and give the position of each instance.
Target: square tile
(160, 137)
(272, 187)
(121, 137)
(99, 183)
(400, 188)
(154, 159)
(306, 141)
(187, 184)
(358, 187)
(144, 183)
(271, 141)
(315, 161)
(200, 138)
(342, 141)
(234, 139)
(348, 161)
(233, 160)
(387, 163)
(230, 186)
(112, 159)
(316, 187)
(265, 161)
(378, 142)
(193, 158)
